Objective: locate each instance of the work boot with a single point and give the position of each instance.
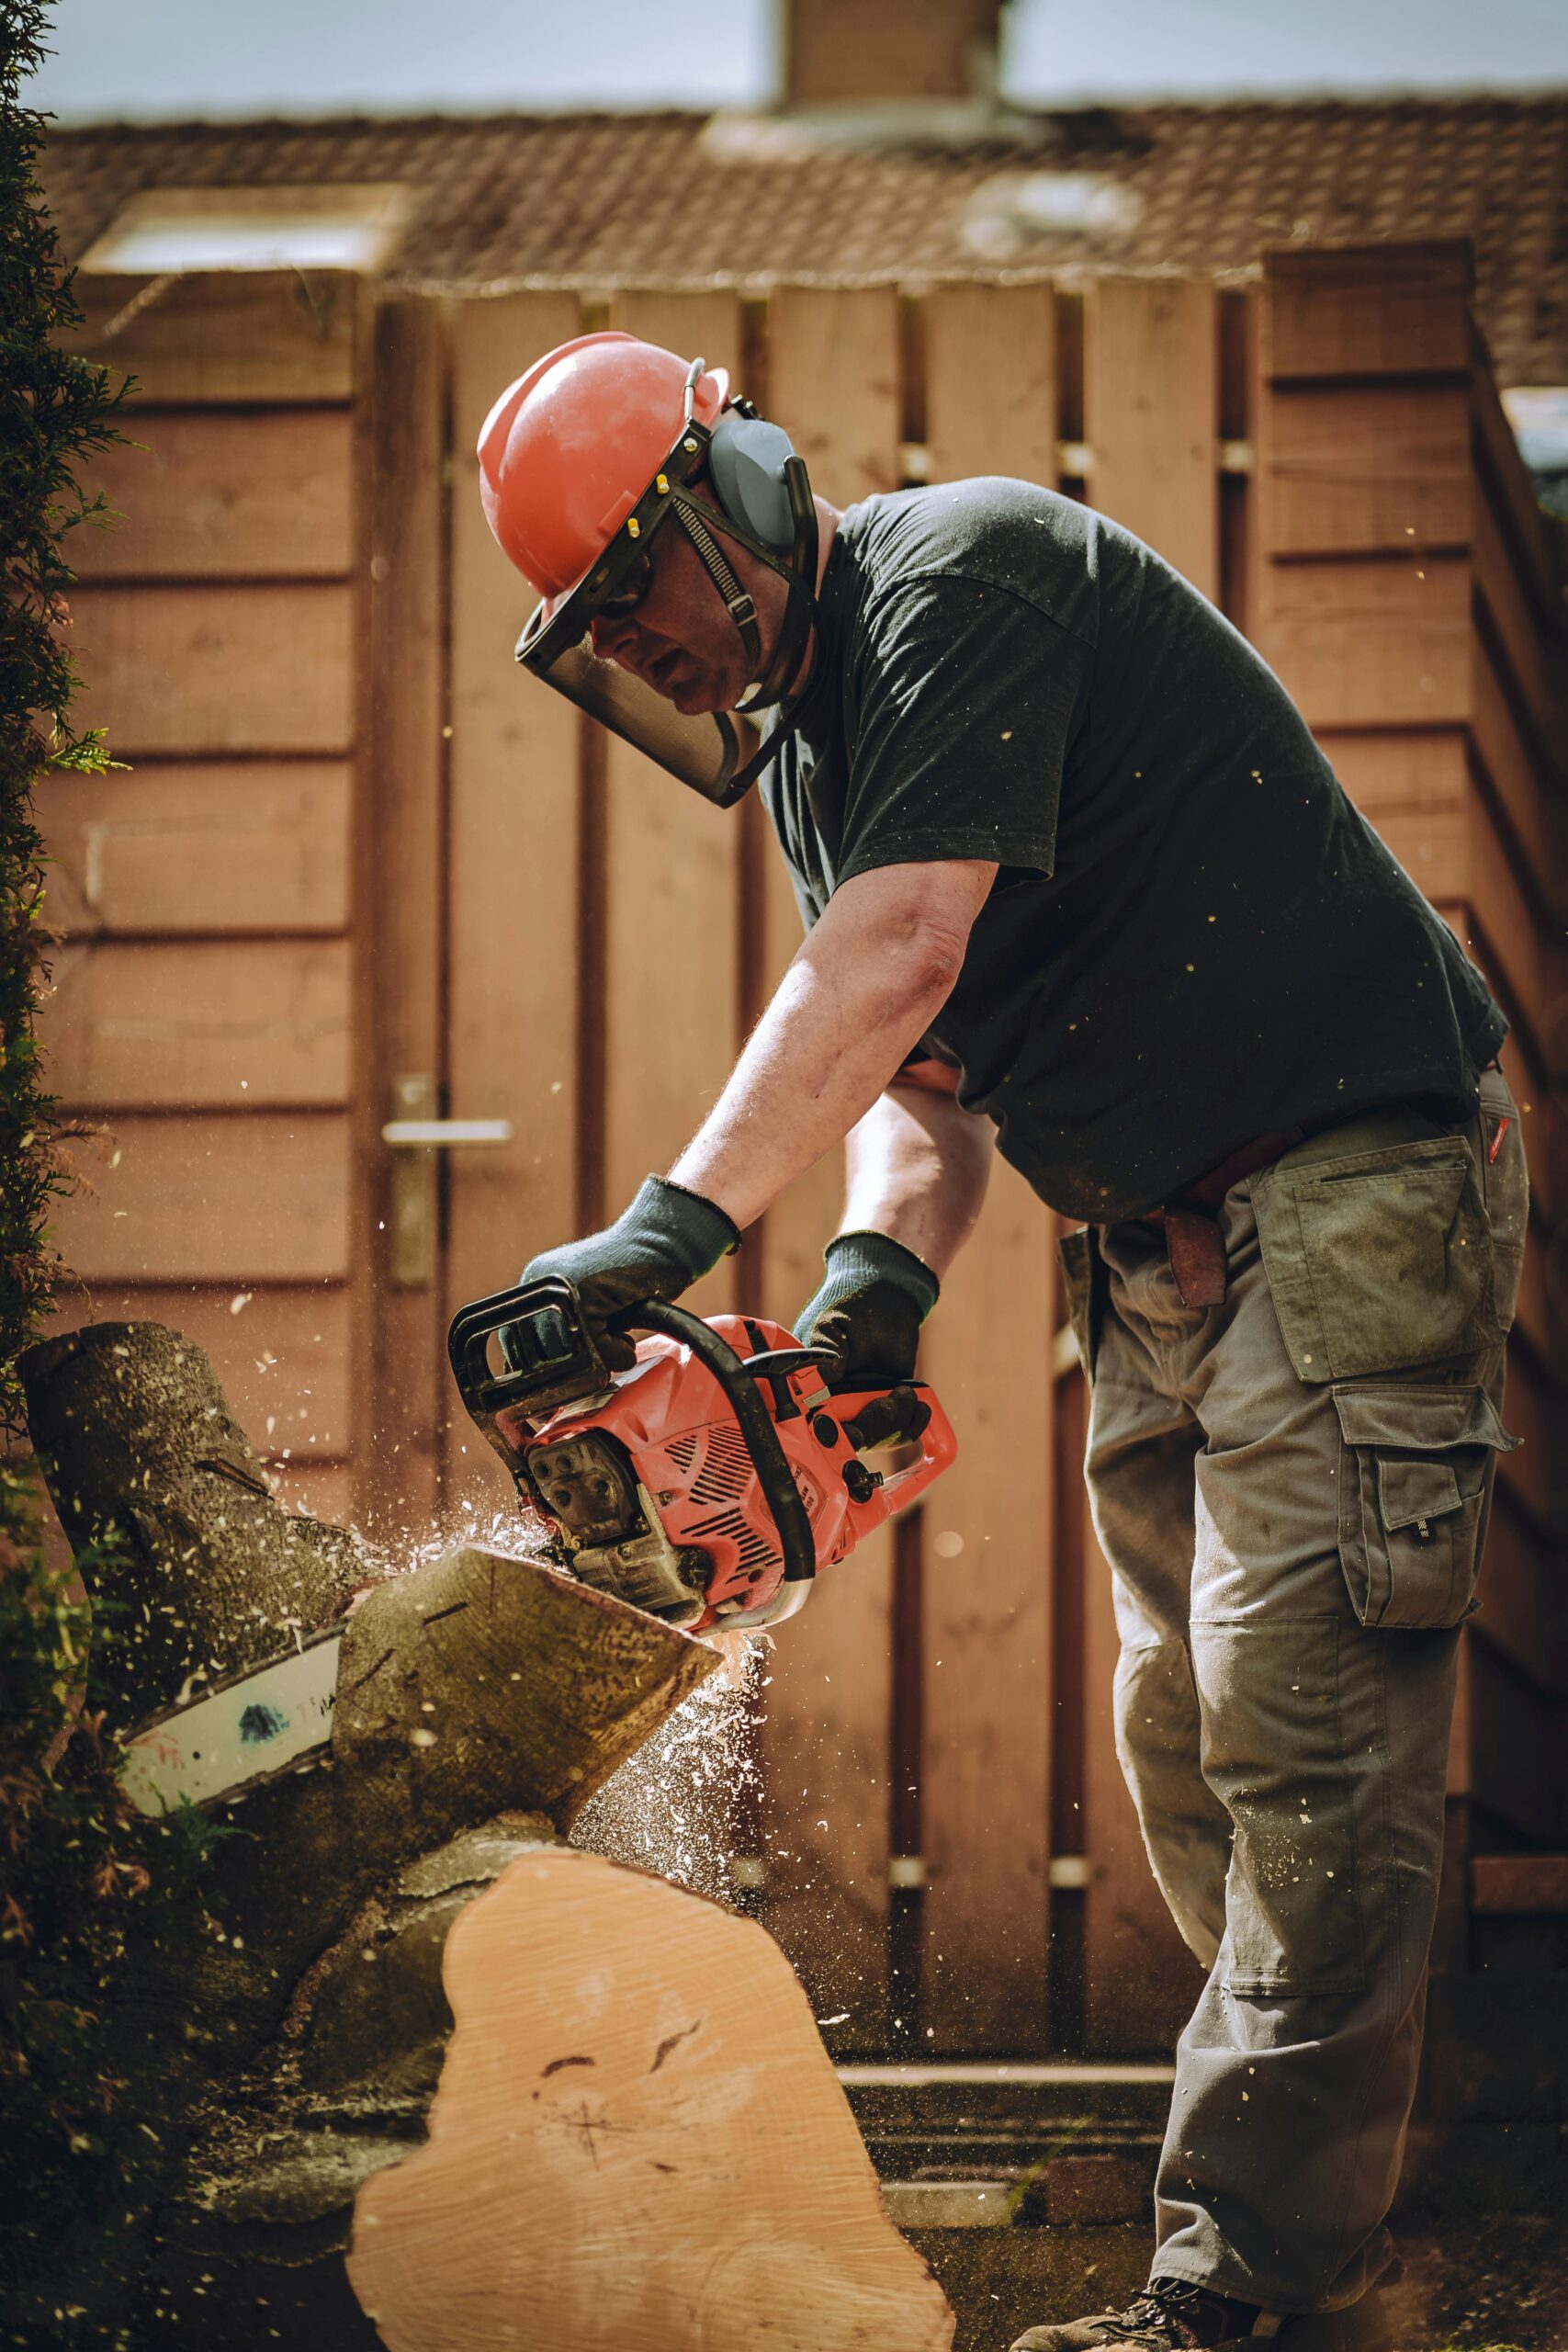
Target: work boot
(1172, 2315)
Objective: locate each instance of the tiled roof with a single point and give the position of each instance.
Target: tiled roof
(686, 195)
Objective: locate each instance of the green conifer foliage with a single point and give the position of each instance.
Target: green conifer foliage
(72, 1861)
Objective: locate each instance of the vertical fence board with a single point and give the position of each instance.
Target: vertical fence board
(833, 382)
(990, 392)
(991, 381)
(513, 959)
(672, 871)
(1151, 409)
(400, 840)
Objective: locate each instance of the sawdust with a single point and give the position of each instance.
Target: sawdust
(674, 1807)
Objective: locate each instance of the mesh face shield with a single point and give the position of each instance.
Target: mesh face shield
(716, 753)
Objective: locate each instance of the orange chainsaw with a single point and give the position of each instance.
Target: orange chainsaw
(710, 1482)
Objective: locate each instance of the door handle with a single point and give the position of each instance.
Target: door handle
(444, 1135)
(415, 1133)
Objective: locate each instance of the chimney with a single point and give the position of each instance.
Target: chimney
(858, 52)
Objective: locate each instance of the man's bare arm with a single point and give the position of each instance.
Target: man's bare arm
(919, 1167)
(865, 985)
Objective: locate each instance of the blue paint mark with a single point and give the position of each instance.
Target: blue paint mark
(261, 1722)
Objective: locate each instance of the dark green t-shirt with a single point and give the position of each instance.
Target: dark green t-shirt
(1194, 939)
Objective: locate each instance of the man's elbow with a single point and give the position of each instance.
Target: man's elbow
(930, 960)
(918, 950)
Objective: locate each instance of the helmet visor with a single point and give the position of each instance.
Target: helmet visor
(710, 751)
(717, 753)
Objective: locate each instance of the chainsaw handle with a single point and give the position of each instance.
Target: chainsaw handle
(744, 1398)
(938, 1445)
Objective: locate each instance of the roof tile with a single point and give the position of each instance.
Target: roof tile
(649, 196)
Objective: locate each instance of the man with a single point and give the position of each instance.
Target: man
(1080, 886)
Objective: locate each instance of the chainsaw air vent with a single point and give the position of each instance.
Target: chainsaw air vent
(737, 1530)
(683, 1452)
(726, 1471)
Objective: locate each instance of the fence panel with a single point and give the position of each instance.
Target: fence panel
(833, 378)
(303, 646)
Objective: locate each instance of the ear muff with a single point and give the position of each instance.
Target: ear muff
(747, 457)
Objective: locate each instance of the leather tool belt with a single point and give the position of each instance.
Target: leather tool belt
(1193, 1241)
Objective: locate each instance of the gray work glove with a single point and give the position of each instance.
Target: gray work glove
(873, 1298)
(655, 1248)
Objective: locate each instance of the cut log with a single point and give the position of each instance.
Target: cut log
(637, 2141)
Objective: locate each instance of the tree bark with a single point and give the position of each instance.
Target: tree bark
(206, 1572)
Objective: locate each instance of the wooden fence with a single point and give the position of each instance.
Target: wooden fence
(362, 867)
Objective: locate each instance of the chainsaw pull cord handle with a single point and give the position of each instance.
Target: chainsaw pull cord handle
(779, 1489)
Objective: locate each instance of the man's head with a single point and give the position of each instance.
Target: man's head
(676, 636)
(671, 537)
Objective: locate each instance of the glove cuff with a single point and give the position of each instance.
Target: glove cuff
(855, 1259)
(698, 1228)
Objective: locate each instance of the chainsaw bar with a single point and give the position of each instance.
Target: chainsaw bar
(248, 1730)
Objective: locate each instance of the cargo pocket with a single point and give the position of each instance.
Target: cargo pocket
(1415, 1480)
(1380, 1259)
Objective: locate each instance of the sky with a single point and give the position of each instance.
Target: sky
(143, 60)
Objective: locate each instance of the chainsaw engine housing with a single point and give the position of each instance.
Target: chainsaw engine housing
(662, 1485)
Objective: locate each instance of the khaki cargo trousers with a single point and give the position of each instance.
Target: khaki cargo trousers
(1292, 1489)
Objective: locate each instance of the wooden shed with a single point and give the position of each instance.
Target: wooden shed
(360, 871)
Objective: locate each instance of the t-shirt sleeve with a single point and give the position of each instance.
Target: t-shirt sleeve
(968, 700)
(783, 816)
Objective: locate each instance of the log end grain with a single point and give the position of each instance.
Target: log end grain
(639, 2140)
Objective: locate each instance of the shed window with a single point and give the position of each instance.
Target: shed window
(347, 227)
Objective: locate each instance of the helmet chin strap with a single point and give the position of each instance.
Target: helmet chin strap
(799, 573)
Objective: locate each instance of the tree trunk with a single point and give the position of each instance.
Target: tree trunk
(478, 1686)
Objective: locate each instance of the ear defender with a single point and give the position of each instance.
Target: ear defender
(747, 458)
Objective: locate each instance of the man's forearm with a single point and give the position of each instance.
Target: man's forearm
(918, 1171)
(865, 984)
(814, 1065)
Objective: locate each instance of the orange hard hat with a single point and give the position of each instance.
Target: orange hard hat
(571, 446)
